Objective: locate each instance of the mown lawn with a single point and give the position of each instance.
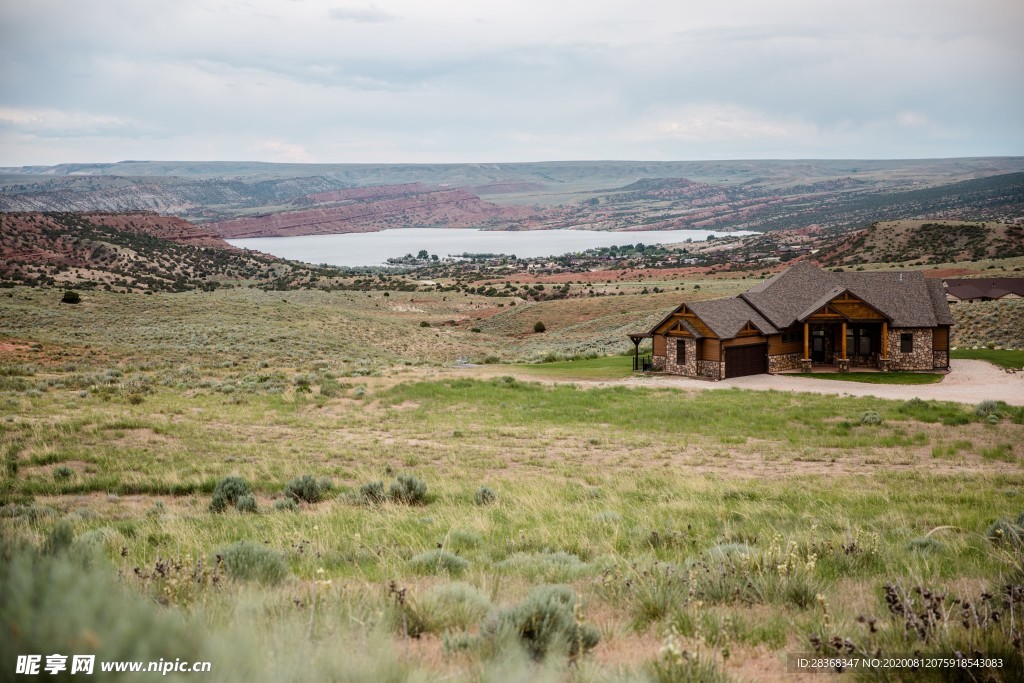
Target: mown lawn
(876, 377)
(606, 367)
(1003, 358)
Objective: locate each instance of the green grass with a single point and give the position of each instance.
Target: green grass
(1003, 358)
(607, 368)
(722, 513)
(876, 377)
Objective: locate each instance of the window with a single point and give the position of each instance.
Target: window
(793, 334)
(906, 343)
(681, 351)
(859, 340)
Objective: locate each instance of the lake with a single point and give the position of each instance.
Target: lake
(374, 248)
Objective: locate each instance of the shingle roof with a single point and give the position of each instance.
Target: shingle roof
(726, 317)
(991, 288)
(907, 298)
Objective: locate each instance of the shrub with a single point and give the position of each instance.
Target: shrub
(62, 473)
(546, 622)
(372, 492)
(1004, 532)
(408, 489)
(59, 604)
(307, 488)
(438, 561)
(450, 606)
(71, 297)
(539, 327)
(247, 561)
(987, 408)
(227, 492)
(246, 503)
(424, 323)
(485, 495)
(870, 417)
(286, 505)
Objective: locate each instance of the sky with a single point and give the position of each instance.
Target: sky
(416, 81)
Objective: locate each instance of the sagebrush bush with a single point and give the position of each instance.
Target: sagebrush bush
(61, 604)
(546, 623)
(308, 488)
(62, 473)
(247, 503)
(286, 505)
(247, 561)
(870, 417)
(437, 562)
(408, 489)
(372, 492)
(71, 297)
(485, 495)
(227, 492)
(1005, 532)
(455, 606)
(987, 408)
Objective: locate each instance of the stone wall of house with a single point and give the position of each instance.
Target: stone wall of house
(712, 369)
(658, 363)
(921, 358)
(940, 359)
(671, 354)
(784, 361)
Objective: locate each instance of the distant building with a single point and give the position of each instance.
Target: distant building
(984, 289)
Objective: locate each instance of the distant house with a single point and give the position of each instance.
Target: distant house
(987, 289)
(805, 316)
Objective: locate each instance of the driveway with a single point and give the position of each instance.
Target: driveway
(970, 381)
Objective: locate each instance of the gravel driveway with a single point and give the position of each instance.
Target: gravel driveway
(970, 381)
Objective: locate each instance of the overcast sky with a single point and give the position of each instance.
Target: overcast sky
(520, 80)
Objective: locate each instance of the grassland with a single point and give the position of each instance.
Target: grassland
(1004, 358)
(735, 526)
(878, 378)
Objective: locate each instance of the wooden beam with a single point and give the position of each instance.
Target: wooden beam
(885, 340)
(844, 341)
(807, 341)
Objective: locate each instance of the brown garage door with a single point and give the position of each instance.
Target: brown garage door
(746, 360)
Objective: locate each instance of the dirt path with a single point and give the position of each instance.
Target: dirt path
(970, 381)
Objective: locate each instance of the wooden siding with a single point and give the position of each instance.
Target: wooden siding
(776, 346)
(940, 339)
(709, 349)
(856, 310)
(659, 345)
(684, 313)
(744, 341)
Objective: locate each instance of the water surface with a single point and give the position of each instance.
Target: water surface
(374, 248)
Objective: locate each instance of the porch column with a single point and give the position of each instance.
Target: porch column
(885, 340)
(807, 341)
(843, 357)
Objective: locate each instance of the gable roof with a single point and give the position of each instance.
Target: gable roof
(906, 298)
(988, 288)
(726, 317)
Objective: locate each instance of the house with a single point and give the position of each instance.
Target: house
(806, 316)
(984, 289)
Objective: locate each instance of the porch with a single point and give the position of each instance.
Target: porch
(845, 345)
(641, 362)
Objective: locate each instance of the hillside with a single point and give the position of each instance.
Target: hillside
(128, 253)
(321, 198)
(375, 208)
(927, 242)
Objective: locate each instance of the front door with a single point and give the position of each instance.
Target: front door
(818, 347)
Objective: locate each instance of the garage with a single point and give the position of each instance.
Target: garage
(746, 360)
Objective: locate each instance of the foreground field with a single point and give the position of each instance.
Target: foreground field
(263, 481)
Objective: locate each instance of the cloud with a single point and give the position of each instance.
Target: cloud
(370, 14)
(277, 150)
